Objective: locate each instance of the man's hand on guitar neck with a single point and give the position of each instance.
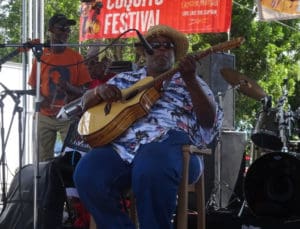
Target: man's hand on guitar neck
(203, 105)
(187, 68)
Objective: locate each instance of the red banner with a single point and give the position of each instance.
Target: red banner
(109, 18)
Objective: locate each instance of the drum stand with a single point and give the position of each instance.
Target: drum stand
(244, 204)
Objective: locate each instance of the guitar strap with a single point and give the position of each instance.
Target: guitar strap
(159, 85)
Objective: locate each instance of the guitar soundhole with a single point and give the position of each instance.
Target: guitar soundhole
(107, 108)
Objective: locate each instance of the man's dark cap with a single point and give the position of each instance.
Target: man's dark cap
(61, 20)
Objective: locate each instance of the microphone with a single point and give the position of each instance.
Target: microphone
(70, 110)
(145, 43)
(25, 92)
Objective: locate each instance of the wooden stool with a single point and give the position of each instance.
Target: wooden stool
(92, 223)
(198, 188)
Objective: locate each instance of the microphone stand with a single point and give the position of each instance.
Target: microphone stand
(37, 51)
(3, 197)
(19, 110)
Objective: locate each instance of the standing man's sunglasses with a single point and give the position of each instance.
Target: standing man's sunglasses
(166, 45)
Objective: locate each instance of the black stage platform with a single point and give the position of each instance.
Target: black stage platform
(225, 219)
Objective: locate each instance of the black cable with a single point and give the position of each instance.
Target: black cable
(96, 54)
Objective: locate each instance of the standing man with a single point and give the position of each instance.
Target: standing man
(63, 78)
(148, 155)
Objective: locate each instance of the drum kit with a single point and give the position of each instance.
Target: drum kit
(272, 182)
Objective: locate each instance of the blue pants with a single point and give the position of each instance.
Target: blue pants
(154, 176)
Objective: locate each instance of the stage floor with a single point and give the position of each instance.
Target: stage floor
(225, 219)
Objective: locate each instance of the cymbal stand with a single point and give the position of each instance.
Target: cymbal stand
(218, 166)
(218, 155)
(282, 118)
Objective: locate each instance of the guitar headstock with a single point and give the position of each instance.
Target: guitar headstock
(220, 47)
(236, 42)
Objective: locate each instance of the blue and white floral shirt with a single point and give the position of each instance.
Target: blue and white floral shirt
(173, 110)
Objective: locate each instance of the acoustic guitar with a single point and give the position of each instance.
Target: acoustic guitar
(104, 122)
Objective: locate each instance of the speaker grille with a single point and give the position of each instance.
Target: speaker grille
(209, 69)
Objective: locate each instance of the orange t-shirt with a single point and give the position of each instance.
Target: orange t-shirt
(54, 69)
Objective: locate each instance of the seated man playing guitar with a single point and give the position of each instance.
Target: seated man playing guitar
(147, 156)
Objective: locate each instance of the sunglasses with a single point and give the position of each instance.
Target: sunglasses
(166, 45)
(63, 28)
(91, 62)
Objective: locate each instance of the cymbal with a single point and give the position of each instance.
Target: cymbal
(246, 85)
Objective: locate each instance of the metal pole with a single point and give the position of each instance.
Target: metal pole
(39, 19)
(218, 158)
(24, 77)
(29, 147)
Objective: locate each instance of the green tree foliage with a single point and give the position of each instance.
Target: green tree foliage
(269, 55)
(10, 24)
(11, 20)
(70, 8)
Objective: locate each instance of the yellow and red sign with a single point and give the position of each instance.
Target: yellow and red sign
(278, 9)
(110, 18)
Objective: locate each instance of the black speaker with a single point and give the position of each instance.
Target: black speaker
(209, 69)
(18, 212)
(54, 176)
